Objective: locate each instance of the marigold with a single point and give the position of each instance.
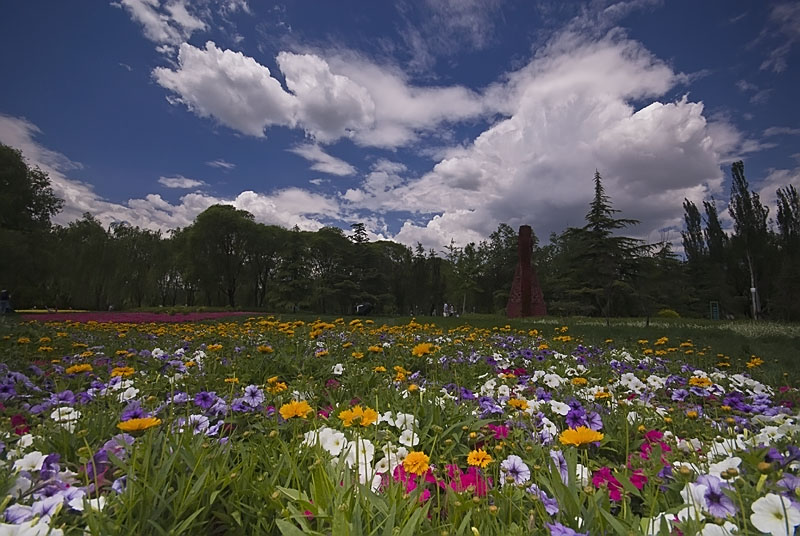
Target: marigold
(77, 369)
(135, 425)
(579, 436)
(122, 371)
(416, 462)
(479, 457)
(518, 403)
(295, 409)
(422, 349)
(365, 416)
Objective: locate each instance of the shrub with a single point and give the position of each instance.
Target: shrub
(668, 313)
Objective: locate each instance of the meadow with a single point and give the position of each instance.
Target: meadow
(398, 426)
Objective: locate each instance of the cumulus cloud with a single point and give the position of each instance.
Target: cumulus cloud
(322, 161)
(287, 207)
(341, 97)
(569, 112)
(179, 181)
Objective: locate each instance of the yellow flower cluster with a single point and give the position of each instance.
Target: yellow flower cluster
(295, 409)
(364, 416)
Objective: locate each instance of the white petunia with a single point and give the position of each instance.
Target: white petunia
(334, 443)
(128, 394)
(338, 369)
(559, 408)
(65, 414)
(408, 438)
(774, 514)
(32, 461)
(405, 421)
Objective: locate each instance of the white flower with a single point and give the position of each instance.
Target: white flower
(718, 468)
(65, 414)
(559, 408)
(552, 380)
(775, 515)
(632, 417)
(383, 465)
(405, 421)
(726, 529)
(334, 442)
(654, 524)
(95, 504)
(128, 394)
(408, 438)
(30, 462)
(37, 527)
(504, 390)
(386, 416)
(338, 369)
(582, 473)
(361, 451)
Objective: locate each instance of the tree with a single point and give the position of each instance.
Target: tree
(750, 229)
(28, 201)
(219, 241)
(604, 263)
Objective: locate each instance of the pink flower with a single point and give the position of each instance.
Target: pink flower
(602, 477)
(500, 431)
(638, 479)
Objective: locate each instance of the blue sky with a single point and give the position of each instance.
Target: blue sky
(428, 120)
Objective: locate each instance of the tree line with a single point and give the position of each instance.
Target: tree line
(226, 258)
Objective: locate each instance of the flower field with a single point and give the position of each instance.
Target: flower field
(260, 425)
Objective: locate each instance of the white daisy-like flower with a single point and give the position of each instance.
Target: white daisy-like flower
(775, 515)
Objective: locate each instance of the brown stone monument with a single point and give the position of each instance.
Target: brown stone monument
(526, 297)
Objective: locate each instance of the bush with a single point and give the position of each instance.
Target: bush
(668, 313)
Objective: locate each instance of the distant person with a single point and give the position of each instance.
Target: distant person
(445, 310)
(5, 302)
(453, 310)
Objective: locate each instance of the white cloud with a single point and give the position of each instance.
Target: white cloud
(776, 178)
(220, 163)
(323, 162)
(784, 25)
(568, 112)
(287, 207)
(781, 131)
(344, 97)
(168, 23)
(232, 88)
(179, 181)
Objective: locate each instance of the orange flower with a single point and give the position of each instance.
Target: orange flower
(135, 425)
(416, 462)
(422, 349)
(295, 409)
(76, 369)
(479, 458)
(579, 436)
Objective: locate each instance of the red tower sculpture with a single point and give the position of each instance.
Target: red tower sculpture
(526, 297)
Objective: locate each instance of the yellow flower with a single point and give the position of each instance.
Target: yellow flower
(422, 349)
(295, 409)
(692, 414)
(357, 355)
(416, 462)
(518, 403)
(479, 458)
(45, 348)
(379, 368)
(134, 425)
(697, 381)
(23, 340)
(579, 436)
(579, 381)
(375, 349)
(413, 387)
(122, 371)
(44, 340)
(365, 416)
(599, 395)
(265, 349)
(76, 369)
(214, 347)
(232, 380)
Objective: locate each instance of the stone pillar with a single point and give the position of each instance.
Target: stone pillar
(526, 297)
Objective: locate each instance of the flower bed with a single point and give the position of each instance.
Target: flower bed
(269, 427)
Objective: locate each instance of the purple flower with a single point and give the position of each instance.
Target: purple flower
(18, 513)
(240, 405)
(180, 397)
(119, 484)
(561, 464)
(679, 395)
(133, 410)
(514, 467)
(717, 503)
(557, 529)
(205, 399)
(594, 421)
(253, 395)
(576, 417)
